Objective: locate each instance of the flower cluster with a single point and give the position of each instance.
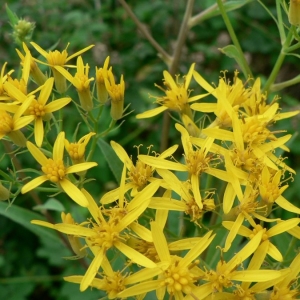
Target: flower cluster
(224, 178)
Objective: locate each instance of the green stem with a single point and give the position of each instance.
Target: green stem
(279, 61)
(282, 85)
(234, 38)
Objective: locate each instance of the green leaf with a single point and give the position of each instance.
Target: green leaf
(112, 159)
(232, 52)
(51, 204)
(23, 217)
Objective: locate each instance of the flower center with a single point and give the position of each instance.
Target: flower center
(139, 174)
(36, 109)
(55, 170)
(56, 58)
(73, 150)
(6, 122)
(197, 162)
(178, 278)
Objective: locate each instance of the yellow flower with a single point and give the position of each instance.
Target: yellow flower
(57, 58)
(101, 75)
(55, 171)
(176, 275)
(39, 109)
(177, 96)
(3, 79)
(266, 234)
(116, 93)
(35, 71)
(196, 162)
(107, 230)
(294, 12)
(77, 150)
(139, 174)
(10, 125)
(81, 81)
(226, 273)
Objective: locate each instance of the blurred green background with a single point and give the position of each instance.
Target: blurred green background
(29, 266)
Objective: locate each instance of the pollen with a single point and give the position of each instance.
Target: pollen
(140, 174)
(36, 109)
(106, 234)
(73, 150)
(55, 170)
(178, 278)
(197, 162)
(6, 122)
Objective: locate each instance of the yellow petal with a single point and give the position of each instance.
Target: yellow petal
(57, 105)
(203, 83)
(196, 190)
(22, 122)
(134, 255)
(274, 252)
(283, 226)
(80, 167)
(38, 155)
(58, 148)
(33, 184)
(43, 223)
(160, 163)
(255, 275)
(73, 192)
(140, 288)
(141, 231)
(160, 242)
(74, 229)
(46, 91)
(38, 131)
(91, 271)
(122, 154)
(151, 113)
(282, 202)
(204, 107)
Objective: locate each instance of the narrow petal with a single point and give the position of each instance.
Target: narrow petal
(39, 49)
(73, 192)
(143, 275)
(134, 255)
(233, 231)
(43, 223)
(151, 113)
(219, 134)
(38, 131)
(283, 226)
(91, 271)
(196, 190)
(255, 275)
(74, 229)
(167, 204)
(80, 167)
(196, 250)
(38, 155)
(57, 105)
(46, 91)
(204, 107)
(33, 184)
(66, 74)
(140, 288)
(141, 231)
(274, 252)
(160, 163)
(59, 145)
(22, 122)
(122, 154)
(203, 83)
(93, 207)
(282, 202)
(160, 242)
(79, 52)
(169, 151)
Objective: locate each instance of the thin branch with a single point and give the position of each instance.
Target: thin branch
(142, 27)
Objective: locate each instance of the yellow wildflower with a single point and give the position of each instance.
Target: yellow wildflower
(56, 58)
(177, 96)
(55, 171)
(105, 232)
(116, 93)
(101, 75)
(81, 81)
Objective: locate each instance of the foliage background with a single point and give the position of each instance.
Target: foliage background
(29, 266)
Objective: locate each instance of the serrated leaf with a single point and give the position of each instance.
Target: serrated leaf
(232, 52)
(51, 204)
(23, 217)
(112, 159)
